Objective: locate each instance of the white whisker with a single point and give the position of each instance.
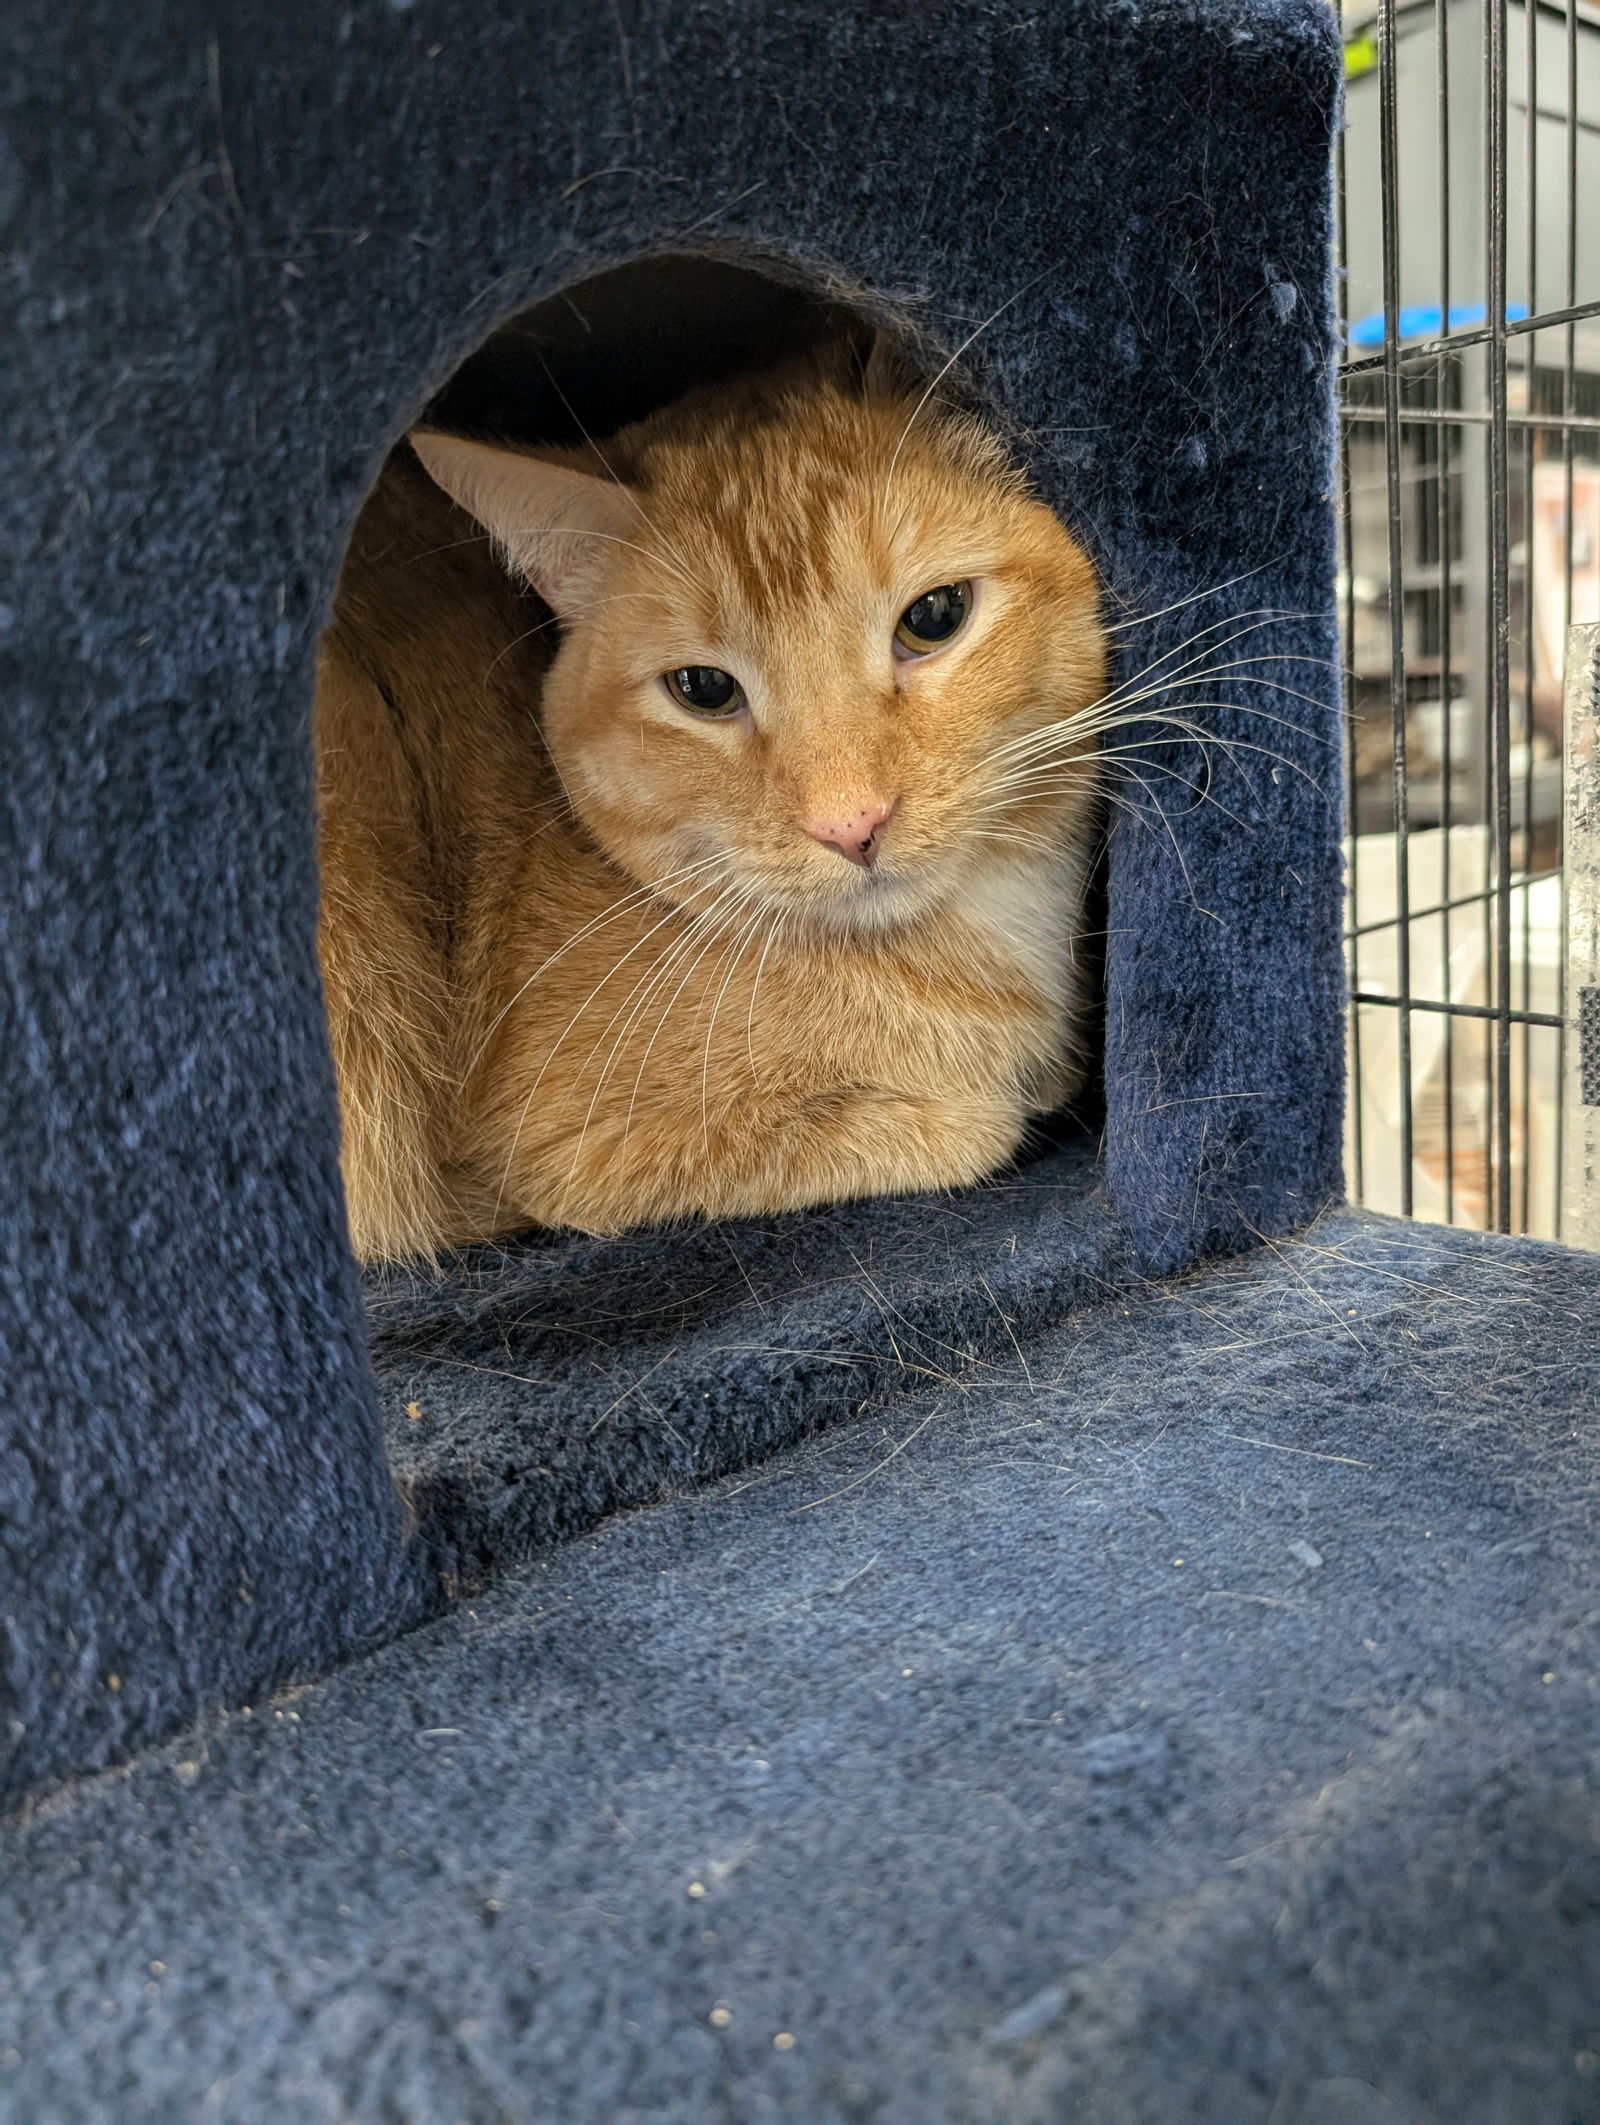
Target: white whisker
(1143, 619)
(750, 1016)
(670, 914)
(938, 378)
(741, 899)
(746, 934)
(601, 921)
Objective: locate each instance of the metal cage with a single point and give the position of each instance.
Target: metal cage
(1469, 213)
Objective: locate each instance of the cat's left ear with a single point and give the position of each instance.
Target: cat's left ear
(552, 524)
(887, 366)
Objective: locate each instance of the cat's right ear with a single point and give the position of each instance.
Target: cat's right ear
(551, 523)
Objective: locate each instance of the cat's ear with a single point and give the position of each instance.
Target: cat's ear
(887, 367)
(552, 524)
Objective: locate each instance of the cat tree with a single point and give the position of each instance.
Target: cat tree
(246, 249)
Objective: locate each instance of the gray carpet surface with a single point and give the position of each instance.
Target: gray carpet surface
(535, 1387)
(1188, 1712)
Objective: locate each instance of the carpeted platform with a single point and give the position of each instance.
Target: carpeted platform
(539, 1386)
(1185, 1713)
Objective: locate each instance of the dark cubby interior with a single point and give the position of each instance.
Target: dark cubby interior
(618, 346)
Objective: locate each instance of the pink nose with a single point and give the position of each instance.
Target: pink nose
(858, 836)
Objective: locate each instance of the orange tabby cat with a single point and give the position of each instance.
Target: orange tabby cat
(729, 888)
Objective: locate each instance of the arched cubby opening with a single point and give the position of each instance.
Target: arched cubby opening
(648, 1358)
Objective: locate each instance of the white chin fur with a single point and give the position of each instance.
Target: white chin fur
(868, 903)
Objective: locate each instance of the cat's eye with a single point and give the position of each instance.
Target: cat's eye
(935, 618)
(705, 690)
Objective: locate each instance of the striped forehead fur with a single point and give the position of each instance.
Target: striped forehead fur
(775, 522)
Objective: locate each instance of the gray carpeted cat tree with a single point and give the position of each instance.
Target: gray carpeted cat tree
(1050, 1679)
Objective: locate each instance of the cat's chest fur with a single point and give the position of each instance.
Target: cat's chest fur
(1024, 910)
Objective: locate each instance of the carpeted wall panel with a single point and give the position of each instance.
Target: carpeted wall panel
(242, 247)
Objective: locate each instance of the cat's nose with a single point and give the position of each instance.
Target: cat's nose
(858, 834)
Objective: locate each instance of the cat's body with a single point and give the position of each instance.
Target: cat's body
(596, 957)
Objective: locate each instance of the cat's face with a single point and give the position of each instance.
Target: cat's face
(798, 636)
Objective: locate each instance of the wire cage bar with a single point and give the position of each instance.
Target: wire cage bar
(1469, 214)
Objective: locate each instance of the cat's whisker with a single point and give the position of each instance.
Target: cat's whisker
(740, 900)
(1196, 734)
(1177, 850)
(780, 924)
(1075, 730)
(1044, 788)
(638, 997)
(749, 931)
(1007, 805)
(559, 809)
(1201, 796)
(1237, 673)
(1018, 776)
(1250, 620)
(473, 538)
(654, 970)
(944, 370)
(1018, 781)
(573, 1020)
(1137, 814)
(704, 921)
(1204, 665)
(611, 914)
(1207, 675)
(1209, 664)
(1065, 785)
(516, 642)
(1144, 619)
(1120, 699)
(1278, 657)
(1161, 671)
(645, 981)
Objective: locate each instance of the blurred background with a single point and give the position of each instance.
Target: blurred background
(1469, 205)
